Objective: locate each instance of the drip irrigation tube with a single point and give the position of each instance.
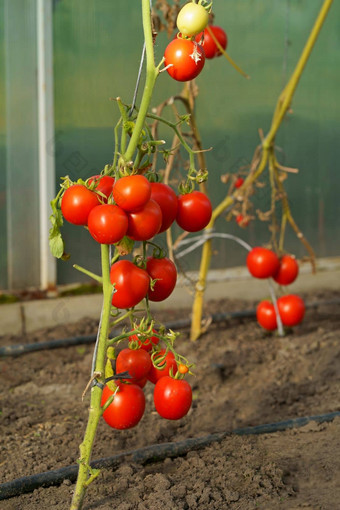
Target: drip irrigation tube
(149, 454)
(16, 350)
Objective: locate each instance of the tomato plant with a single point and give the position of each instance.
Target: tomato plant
(266, 316)
(165, 363)
(77, 203)
(172, 397)
(184, 59)
(164, 272)
(107, 223)
(145, 223)
(136, 362)
(192, 19)
(166, 198)
(210, 47)
(292, 309)
(131, 284)
(287, 271)
(262, 263)
(132, 192)
(127, 407)
(194, 211)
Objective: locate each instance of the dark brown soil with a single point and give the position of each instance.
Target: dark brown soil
(243, 377)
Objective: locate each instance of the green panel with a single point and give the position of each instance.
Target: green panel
(21, 143)
(97, 49)
(3, 216)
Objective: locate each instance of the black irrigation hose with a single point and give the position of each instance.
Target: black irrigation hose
(148, 454)
(16, 350)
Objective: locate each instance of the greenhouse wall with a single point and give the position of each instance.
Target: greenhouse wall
(96, 52)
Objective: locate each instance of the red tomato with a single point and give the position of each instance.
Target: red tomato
(238, 183)
(265, 314)
(146, 344)
(131, 284)
(167, 200)
(127, 407)
(172, 398)
(104, 184)
(145, 223)
(107, 223)
(291, 309)
(131, 193)
(185, 59)
(155, 374)
(194, 211)
(77, 203)
(262, 263)
(165, 273)
(210, 48)
(135, 361)
(288, 270)
(241, 221)
(191, 19)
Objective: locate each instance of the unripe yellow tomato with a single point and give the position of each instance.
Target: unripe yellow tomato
(192, 19)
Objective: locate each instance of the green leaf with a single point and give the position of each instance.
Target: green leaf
(57, 245)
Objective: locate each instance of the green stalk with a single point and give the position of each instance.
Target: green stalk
(85, 474)
(151, 75)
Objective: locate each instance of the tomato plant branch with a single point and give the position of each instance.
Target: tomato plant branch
(267, 150)
(88, 273)
(95, 410)
(151, 76)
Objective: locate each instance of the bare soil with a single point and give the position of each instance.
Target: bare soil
(244, 377)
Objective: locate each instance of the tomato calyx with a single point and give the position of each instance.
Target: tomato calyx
(196, 55)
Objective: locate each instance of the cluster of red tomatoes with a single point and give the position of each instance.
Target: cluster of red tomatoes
(144, 362)
(185, 56)
(264, 263)
(132, 206)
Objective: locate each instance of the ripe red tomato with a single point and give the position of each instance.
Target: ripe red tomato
(77, 203)
(164, 272)
(265, 314)
(191, 19)
(172, 398)
(131, 284)
(135, 361)
(210, 48)
(262, 263)
(145, 223)
(166, 198)
(291, 309)
(131, 193)
(241, 221)
(194, 211)
(238, 183)
(146, 344)
(104, 184)
(107, 223)
(155, 374)
(288, 270)
(185, 59)
(127, 407)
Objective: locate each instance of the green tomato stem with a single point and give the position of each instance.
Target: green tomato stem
(95, 412)
(151, 76)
